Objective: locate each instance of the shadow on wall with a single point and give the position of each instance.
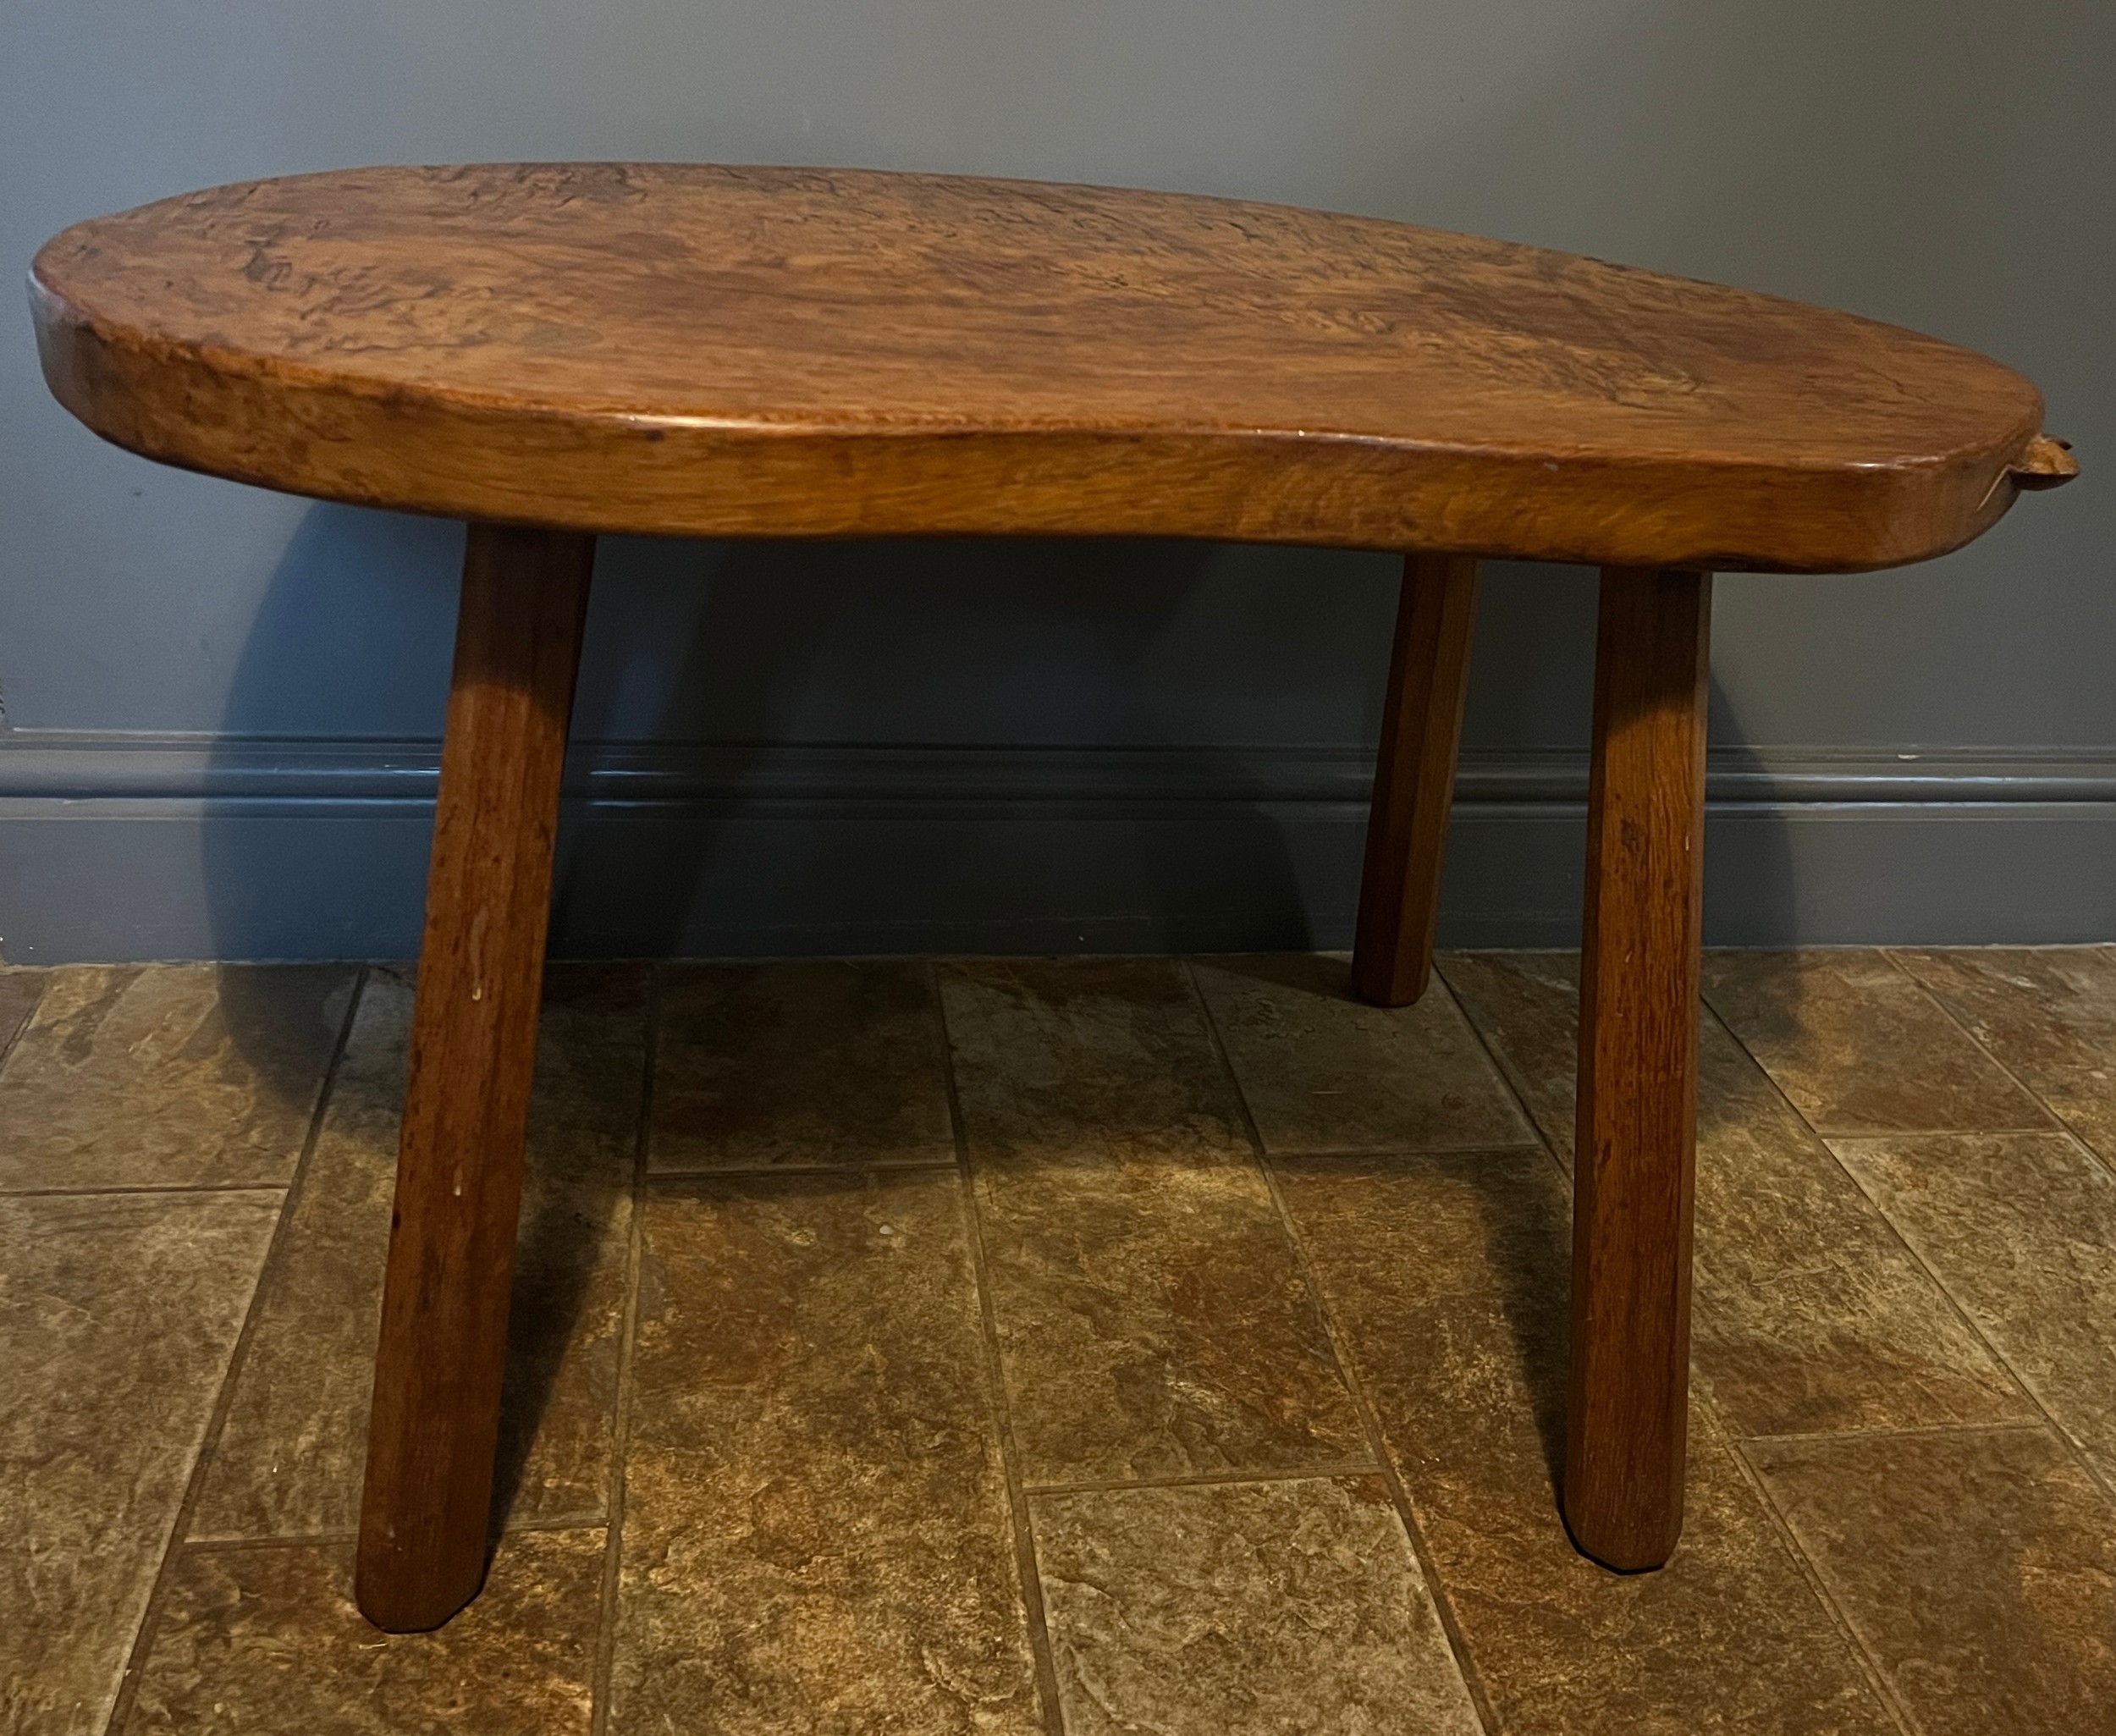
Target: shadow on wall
(881, 661)
(1750, 871)
(706, 662)
(348, 650)
(894, 649)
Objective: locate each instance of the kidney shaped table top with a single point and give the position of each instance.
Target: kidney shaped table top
(551, 350)
(702, 351)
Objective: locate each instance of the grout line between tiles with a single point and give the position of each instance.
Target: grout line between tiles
(8, 1039)
(1700, 1400)
(1543, 1140)
(2064, 1130)
(1883, 1136)
(1400, 1153)
(562, 1522)
(1917, 1432)
(1945, 1295)
(1848, 1630)
(604, 1660)
(231, 1371)
(1808, 1568)
(306, 1539)
(1939, 1283)
(1887, 955)
(1340, 1349)
(153, 1187)
(1962, 1025)
(654, 1178)
(1507, 1076)
(2047, 1130)
(340, 1539)
(1184, 1479)
(2106, 1160)
(1041, 1653)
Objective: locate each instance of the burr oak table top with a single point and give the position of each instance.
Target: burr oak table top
(698, 351)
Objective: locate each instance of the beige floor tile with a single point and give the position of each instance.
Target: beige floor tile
(1153, 1317)
(817, 1531)
(801, 1064)
(118, 1314)
(1979, 1567)
(1860, 1047)
(1810, 1315)
(817, 1536)
(2047, 1014)
(1154, 1321)
(292, 1450)
(1324, 1072)
(1069, 1060)
(1449, 1274)
(1527, 1006)
(20, 990)
(1237, 1608)
(263, 1640)
(168, 1075)
(2021, 1227)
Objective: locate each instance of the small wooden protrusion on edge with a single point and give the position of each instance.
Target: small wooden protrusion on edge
(2048, 463)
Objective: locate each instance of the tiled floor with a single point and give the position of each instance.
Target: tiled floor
(1123, 1345)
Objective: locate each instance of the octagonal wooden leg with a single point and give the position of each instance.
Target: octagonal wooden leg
(1628, 1418)
(1414, 780)
(424, 1515)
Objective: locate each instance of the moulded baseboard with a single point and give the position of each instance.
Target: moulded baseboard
(129, 847)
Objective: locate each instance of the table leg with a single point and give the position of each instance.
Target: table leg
(1414, 780)
(425, 1513)
(1629, 1412)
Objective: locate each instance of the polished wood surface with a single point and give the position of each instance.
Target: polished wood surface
(436, 1417)
(1628, 1418)
(685, 348)
(1414, 780)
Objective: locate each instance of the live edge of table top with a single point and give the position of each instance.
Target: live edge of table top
(689, 350)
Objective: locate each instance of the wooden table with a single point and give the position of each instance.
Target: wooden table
(553, 350)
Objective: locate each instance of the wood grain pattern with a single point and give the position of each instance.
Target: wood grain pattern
(436, 1415)
(1414, 780)
(691, 349)
(1627, 1418)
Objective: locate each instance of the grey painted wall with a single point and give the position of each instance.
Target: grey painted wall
(214, 696)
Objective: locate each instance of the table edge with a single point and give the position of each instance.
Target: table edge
(450, 453)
